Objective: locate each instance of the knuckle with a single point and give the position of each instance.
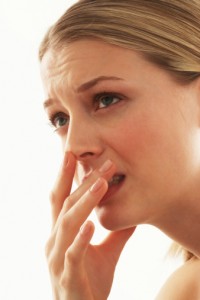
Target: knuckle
(64, 282)
(53, 266)
(70, 258)
(65, 223)
(66, 204)
(70, 269)
(69, 201)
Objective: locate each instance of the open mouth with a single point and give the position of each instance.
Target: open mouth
(116, 179)
(114, 185)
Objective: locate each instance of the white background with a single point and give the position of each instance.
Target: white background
(30, 155)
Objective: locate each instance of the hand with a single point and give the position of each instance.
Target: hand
(79, 270)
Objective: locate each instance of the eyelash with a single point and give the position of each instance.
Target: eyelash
(54, 118)
(96, 100)
(103, 95)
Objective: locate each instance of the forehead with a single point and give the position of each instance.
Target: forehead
(83, 60)
(82, 51)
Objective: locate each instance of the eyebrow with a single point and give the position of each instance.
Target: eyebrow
(95, 81)
(85, 86)
(48, 102)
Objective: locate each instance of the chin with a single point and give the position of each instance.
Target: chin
(112, 222)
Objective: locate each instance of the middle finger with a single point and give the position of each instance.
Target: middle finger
(106, 171)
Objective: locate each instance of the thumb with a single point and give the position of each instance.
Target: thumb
(114, 243)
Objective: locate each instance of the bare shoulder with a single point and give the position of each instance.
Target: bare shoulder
(183, 284)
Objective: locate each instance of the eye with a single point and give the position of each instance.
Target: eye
(59, 120)
(106, 99)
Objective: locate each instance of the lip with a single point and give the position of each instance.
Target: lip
(112, 190)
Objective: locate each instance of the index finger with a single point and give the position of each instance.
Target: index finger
(63, 185)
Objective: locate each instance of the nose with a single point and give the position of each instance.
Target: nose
(83, 139)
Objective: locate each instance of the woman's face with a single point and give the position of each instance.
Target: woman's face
(108, 102)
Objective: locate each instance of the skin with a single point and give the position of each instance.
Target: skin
(183, 283)
(150, 131)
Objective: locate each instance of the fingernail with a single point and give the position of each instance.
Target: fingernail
(68, 158)
(106, 166)
(97, 185)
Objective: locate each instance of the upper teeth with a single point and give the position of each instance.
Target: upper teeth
(115, 179)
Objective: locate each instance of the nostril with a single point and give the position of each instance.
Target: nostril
(86, 154)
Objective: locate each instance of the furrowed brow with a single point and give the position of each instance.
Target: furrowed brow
(95, 81)
(85, 86)
(48, 103)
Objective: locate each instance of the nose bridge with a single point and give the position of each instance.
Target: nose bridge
(83, 138)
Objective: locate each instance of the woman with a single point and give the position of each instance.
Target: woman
(122, 90)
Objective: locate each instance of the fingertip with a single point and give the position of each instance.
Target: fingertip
(70, 155)
(98, 185)
(69, 161)
(87, 229)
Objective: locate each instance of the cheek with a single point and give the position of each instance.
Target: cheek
(135, 139)
(150, 149)
(158, 154)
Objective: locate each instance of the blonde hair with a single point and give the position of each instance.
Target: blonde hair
(166, 32)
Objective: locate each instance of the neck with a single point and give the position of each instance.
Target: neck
(182, 224)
